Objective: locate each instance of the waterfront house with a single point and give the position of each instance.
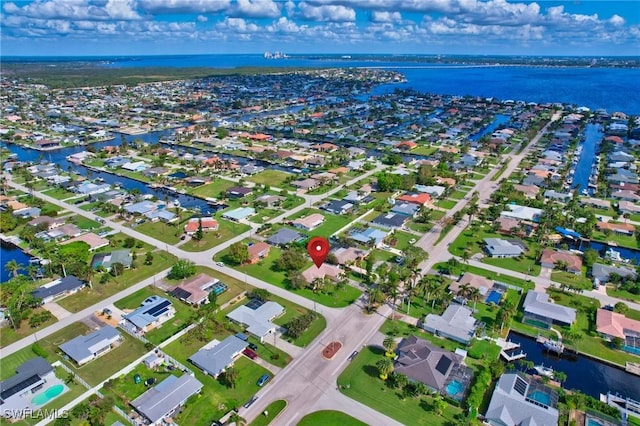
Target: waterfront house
(165, 399)
(551, 259)
(215, 357)
(596, 202)
(195, 290)
(58, 288)
(136, 166)
(626, 195)
(239, 214)
(258, 250)
(257, 317)
(83, 349)
(625, 207)
(538, 310)
(306, 184)
(162, 214)
(518, 400)
(601, 272)
(152, 313)
(310, 222)
(326, 270)
(237, 192)
(611, 324)
(618, 228)
(140, 208)
(557, 196)
(95, 242)
(47, 222)
(208, 223)
(31, 376)
(522, 213)
(456, 323)
(421, 361)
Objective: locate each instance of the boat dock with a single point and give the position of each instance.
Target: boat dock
(625, 405)
(551, 345)
(633, 368)
(506, 346)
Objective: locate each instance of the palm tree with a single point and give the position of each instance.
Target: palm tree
(474, 294)
(465, 256)
(13, 266)
(237, 419)
(385, 367)
(389, 344)
(560, 376)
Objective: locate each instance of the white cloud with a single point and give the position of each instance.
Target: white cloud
(238, 25)
(202, 18)
(184, 6)
(617, 20)
(285, 26)
(256, 9)
(75, 9)
(379, 16)
(327, 13)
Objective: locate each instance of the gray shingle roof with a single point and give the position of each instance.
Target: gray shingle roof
(163, 398)
(151, 309)
(602, 272)
(215, 359)
(538, 304)
(65, 284)
(456, 323)
(81, 347)
(28, 373)
(283, 236)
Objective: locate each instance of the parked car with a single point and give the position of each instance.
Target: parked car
(253, 347)
(249, 353)
(137, 379)
(353, 355)
(249, 402)
(263, 379)
(150, 381)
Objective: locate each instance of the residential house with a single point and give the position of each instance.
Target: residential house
(618, 228)
(236, 192)
(215, 357)
(106, 260)
(270, 200)
(415, 198)
(522, 213)
(456, 323)
(135, 166)
(421, 361)
(601, 272)
(141, 207)
(596, 202)
(390, 220)
(152, 313)
(516, 400)
(241, 213)
(284, 237)
(165, 399)
(432, 190)
(251, 169)
(309, 223)
(94, 241)
(47, 222)
(208, 223)
(306, 184)
(195, 290)
(31, 377)
(557, 196)
(339, 207)
(58, 288)
(257, 251)
(539, 310)
(497, 247)
(550, 259)
(257, 316)
(627, 207)
(406, 209)
(153, 361)
(626, 196)
(611, 324)
(508, 226)
(371, 236)
(83, 349)
(162, 214)
(348, 255)
(326, 270)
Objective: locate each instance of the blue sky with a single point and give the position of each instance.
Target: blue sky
(153, 27)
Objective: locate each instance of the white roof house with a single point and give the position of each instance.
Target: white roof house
(522, 212)
(456, 323)
(497, 247)
(258, 320)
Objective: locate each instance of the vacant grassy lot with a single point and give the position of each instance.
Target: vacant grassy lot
(621, 240)
(166, 232)
(461, 268)
(360, 381)
(90, 296)
(59, 193)
(623, 294)
(213, 189)
(85, 223)
(8, 335)
(329, 417)
(270, 177)
(446, 204)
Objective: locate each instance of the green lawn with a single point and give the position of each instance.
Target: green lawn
(331, 224)
(329, 417)
(90, 296)
(633, 421)
(424, 150)
(212, 189)
(360, 381)
(458, 195)
(166, 232)
(183, 317)
(264, 270)
(85, 223)
(269, 177)
(461, 268)
(8, 335)
(570, 279)
(13, 361)
(272, 411)
(621, 240)
(401, 240)
(59, 193)
(226, 231)
(623, 294)
(446, 204)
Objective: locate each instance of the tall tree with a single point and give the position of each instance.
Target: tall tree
(385, 367)
(13, 266)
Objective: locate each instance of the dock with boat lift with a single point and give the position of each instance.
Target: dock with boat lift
(551, 345)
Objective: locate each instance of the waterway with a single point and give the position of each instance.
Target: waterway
(499, 120)
(9, 252)
(592, 136)
(584, 374)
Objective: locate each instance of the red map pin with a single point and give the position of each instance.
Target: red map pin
(318, 249)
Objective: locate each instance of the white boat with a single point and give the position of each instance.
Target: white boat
(584, 192)
(543, 371)
(613, 255)
(553, 346)
(176, 203)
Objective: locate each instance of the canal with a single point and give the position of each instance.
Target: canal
(592, 137)
(584, 374)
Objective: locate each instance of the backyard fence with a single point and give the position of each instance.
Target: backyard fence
(75, 375)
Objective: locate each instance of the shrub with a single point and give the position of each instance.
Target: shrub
(38, 350)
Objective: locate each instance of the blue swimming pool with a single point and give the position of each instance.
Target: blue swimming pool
(541, 397)
(593, 422)
(49, 394)
(454, 389)
(494, 297)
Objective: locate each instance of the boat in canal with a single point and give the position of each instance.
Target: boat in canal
(543, 371)
(551, 345)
